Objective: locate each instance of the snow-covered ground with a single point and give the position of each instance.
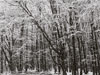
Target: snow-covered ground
(6, 73)
(42, 73)
(69, 73)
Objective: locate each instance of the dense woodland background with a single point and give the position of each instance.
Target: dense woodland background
(46, 35)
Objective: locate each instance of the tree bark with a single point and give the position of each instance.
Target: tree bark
(1, 61)
(79, 46)
(74, 55)
(63, 66)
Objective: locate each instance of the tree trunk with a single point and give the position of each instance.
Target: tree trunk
(63, 66)
(63, 63)
(74, 55)
(64, 72)
(1, 62)
(21, 62)
(11, 64)
(37, 63)
(79, 46)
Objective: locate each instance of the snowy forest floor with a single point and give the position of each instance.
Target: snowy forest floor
(40, 73)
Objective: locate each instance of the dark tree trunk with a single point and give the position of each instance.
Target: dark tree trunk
(63, 66)
(32, 63)
(79, 46)
(59, 68)
(63, 59)
(53, 7)
(74, 55)
(41, 61)
(11, 64)
(37, 63)
(84, 53)
(21, 62)
(45, 62)
(97, 52)
(1, 61)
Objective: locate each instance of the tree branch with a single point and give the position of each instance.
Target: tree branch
(36, 22)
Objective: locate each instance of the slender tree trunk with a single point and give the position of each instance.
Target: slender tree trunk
(63, 66)
(59, 68)
(64, 71)
(97, 52)
(11, 64)
(1, 61)
(45, 61)
(37, 63)
(79, 46)
(74, 55)
(21, 61)
(84, 53)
